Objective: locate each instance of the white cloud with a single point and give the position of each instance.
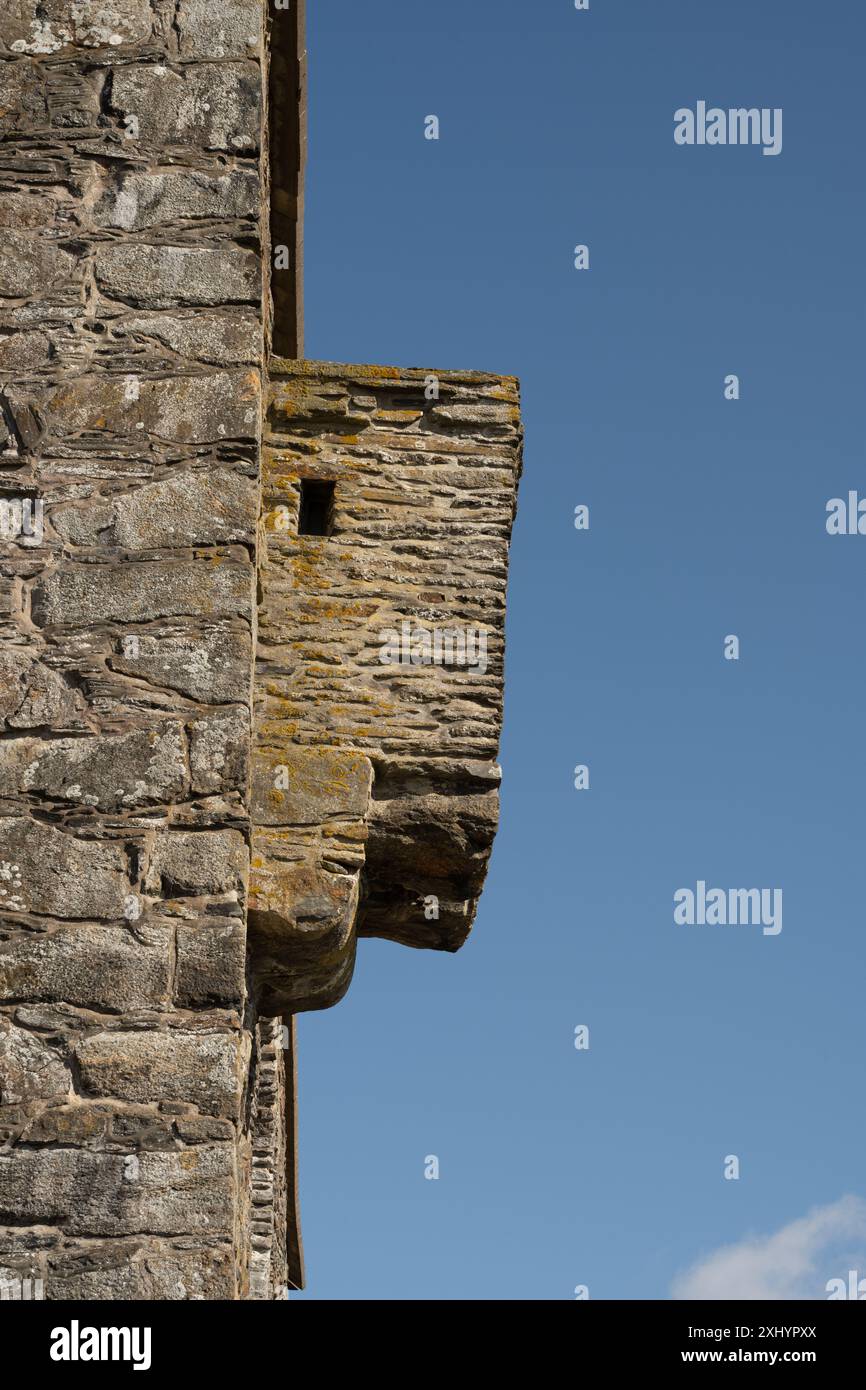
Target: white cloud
(795, 1262)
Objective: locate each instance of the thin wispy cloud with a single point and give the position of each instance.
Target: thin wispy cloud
(794, 1262)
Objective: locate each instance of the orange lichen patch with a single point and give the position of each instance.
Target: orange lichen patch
(276, 689)
(277, 519)
(345, 608)
(251, 386)
(280, 487)
(323, 655)
(277, 729)
(306, 576)
(307, 556)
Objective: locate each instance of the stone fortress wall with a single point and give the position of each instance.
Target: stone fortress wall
(186, 682)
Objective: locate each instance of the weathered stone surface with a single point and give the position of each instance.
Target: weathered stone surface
(231, 32)
(30, 265)
(19, 409)
(131, 349)
(187, 409)
(307, 786)
(211, 956)
(189, 1192)
(59, 875)
(140, 592)
(119, 1125)
(23, 102)
(141, 1270)
(270, 1255)
(219, 751)
(142, 1066)
(158, 277)
(421, 521)
(302, 932)
(213, 665)
(136, 199)
(46, 27)
(424, 845)
(201, 861)
(26, 209)
(205, 507)
(110, 969)
(221, 339)
(112, 772)
(30, 1069)
(24, 352)
(31, 694)
(215, 105)
(146, 1144)
(16, 756)
(424, 497)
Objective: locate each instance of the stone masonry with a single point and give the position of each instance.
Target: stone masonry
(217, 771)
(382, 821)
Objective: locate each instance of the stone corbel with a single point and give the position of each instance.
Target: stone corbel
(310, 813)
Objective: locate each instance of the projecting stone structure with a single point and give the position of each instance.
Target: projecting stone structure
(251, 637)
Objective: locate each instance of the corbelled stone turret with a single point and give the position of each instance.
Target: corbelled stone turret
(379, 664)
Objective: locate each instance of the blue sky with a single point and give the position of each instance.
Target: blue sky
(605, 1167)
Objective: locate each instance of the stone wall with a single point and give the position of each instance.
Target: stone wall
(154, 592)
(374, 772)
(130, 363)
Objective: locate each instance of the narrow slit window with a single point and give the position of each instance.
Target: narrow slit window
(317, 508)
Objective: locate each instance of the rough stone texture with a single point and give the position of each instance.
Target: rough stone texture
(114, 772)
(54, 26)
(202, 1070)
(197, 508)
(203, 861)
(131, 353)
(211, 954)
(29, 1068)
(142, 1270)
(136, 200)
(189, 1191)
(269, 1266)
(185, 682)
(219, 338)
(215, 105)
(104, 968)
(54, 873)
(78, 595)
(161, 277)
(215, 667)
(192, 409)
(32, 694)
(374, 779)
(229, 30)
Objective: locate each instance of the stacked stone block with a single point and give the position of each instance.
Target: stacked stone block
(130, 382)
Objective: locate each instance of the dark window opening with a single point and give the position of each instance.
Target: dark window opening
(316, 516)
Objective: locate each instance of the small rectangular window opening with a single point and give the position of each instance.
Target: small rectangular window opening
(316, 515)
